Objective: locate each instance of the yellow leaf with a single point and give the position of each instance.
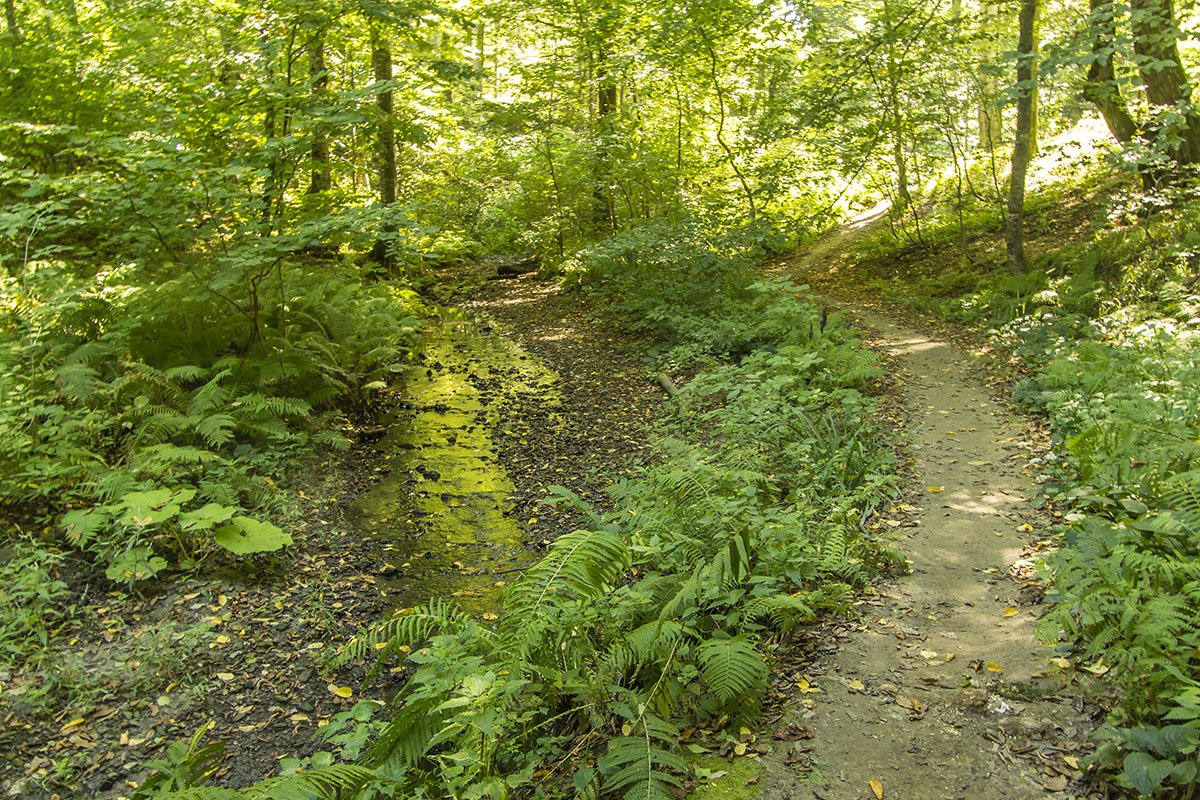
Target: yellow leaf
(1026, 528)
(805, 687)
(740, 748)
(1061, 663)
(72, 724)
(992, 666)
(222, 639)
(489, 616)
(340, 691)
(1099, 668)
(935, 489)
(1010, 612)
(950, 656)
(876, 788)
(857, 686)
(929, 654)
(225, 676)
(1071, 762)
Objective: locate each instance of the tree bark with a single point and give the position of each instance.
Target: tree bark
(381, 65)
(1014, 234)
(12, 20)
(606, 107)
(1101, 89)
(320, 180)
(1156, 45)
(990, 116)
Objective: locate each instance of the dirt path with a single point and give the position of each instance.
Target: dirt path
(940, 690)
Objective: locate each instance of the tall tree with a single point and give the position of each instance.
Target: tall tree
(1014, 234)
(381, 67)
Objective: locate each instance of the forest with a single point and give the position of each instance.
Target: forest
(496, 399)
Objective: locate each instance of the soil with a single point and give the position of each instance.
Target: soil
(940, 690)
(247, 645)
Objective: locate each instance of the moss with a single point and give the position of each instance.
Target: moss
(444, 501)
(735, 785)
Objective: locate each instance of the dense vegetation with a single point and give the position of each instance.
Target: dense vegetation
(218, 218)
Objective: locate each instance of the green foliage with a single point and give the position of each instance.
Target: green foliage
(656, 613)
(31, 593)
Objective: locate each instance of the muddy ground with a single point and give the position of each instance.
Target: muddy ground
(247, 646)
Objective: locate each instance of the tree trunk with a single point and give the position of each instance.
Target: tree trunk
(12, 21)
(320, 180)
(990, 115)
(1014, 235)
(1101, 89)
(1156, 45)
(606, 108)
(381, 65)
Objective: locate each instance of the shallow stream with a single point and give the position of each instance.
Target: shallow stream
(444, 500)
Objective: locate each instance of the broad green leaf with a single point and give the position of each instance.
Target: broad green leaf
(206, 516)
(1145, 773)
(244, 536)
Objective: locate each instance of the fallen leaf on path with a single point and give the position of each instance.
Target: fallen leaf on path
(1071, 761)
(805, 687)
(793, 733)
(1010, 612)
(876, 788)
(72, 724)
(857, 686)
(340, 691)
(1099, 668)
(935, 489)
(992, 666)
(1061, 663)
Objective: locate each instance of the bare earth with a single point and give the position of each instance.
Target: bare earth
(940, 690)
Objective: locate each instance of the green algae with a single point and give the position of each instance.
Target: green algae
(443, 505)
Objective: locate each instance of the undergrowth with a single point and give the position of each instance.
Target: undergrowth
(1107, 328)
(161, 361)
(661, 612)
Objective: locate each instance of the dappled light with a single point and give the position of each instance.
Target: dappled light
(780, 399)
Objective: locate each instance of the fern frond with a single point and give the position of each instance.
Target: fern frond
(784, 611)
(733, 668)
(406, 739)
(584, 563)
(640, 767)
(325, 783)
(407, 627)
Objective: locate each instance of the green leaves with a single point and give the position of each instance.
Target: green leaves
(244, 536)
(732, 667)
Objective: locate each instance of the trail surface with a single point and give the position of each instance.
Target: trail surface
(940, 690)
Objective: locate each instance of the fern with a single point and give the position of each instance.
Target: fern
(732, 667)
(640, 767)
(407, 627)
(584, 563)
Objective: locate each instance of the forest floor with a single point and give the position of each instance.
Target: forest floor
(248, 646)
(940, 689)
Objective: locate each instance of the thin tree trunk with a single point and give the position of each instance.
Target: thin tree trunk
(896, 113)
(1014, 234)
(990, 115)
(12, 21)
(320, 180)
(729, 154)
(381, 65)
(603, 217)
